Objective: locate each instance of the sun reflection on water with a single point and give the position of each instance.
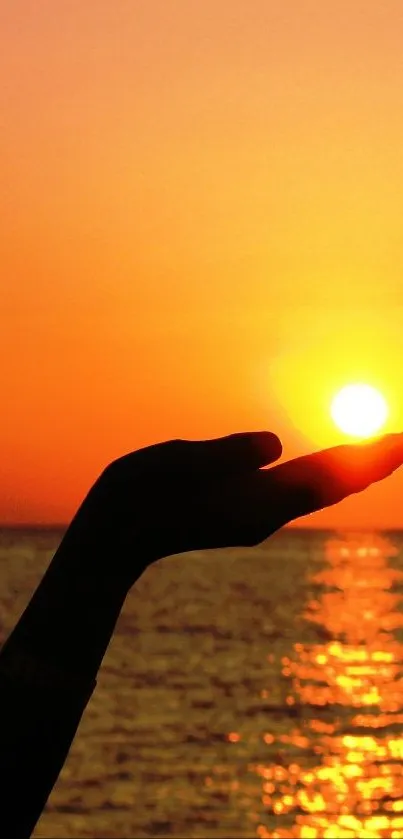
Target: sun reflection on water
(345, 777)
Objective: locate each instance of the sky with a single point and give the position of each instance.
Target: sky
(201, 216)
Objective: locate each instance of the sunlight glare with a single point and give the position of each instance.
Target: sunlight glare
(359, 410)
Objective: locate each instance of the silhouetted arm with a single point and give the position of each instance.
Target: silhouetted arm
(48, 669)
(169, 498)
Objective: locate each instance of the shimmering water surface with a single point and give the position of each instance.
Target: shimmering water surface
(246, 693)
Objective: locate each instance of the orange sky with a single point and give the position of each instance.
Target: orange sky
(201, 231)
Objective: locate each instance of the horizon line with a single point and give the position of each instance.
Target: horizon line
(342, 527)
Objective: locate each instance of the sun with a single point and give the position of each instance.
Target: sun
(359, 410)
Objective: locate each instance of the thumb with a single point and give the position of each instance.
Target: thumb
(244, 452)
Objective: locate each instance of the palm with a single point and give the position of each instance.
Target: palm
(181, 496)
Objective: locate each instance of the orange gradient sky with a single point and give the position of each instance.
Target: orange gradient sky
(201, 232)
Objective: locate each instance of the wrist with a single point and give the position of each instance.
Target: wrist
(87, 568)
(100, 562)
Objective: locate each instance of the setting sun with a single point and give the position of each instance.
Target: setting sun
(359, 410)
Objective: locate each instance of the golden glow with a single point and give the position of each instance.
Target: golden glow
(359, 410)
(207, 207)
(337, 771)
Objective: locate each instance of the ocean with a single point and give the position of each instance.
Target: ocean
(246, 693)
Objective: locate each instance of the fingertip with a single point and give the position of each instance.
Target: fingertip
(237, 453)
(269, 445)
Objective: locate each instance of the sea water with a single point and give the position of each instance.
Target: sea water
(246, 693)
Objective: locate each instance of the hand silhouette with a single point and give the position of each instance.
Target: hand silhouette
(166, 499)
(181, 495)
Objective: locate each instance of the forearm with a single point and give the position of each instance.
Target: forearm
(71, 616)
(48, 668)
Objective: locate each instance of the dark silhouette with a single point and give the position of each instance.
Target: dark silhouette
(166, 499)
